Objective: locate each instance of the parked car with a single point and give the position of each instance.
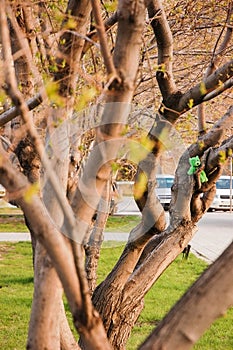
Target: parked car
(222, 197)
(163, 189)
(2, 191)
(126, 202)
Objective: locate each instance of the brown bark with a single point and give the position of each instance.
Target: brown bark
(120, 305)
(174, 104)
(44, 331)
(46, 320)
(11, 113)
(70, 47)
(73, 46)
(93, 243)
(223, 73)
(164, 40)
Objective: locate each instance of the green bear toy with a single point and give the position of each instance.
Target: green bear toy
(195, 164)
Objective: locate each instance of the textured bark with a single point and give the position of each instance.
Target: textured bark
(93, 244)
(164, 40)
(44, 330)
(120, 305)
(46, 316)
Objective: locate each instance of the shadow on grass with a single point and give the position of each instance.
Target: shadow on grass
(15, 280)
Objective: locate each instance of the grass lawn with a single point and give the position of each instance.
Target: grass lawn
(13, 222)
(16, 290)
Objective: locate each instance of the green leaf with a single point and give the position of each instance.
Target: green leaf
(87, 94)
(190, 103)
(53, 94)
(222, 156)
(140, 186)
(32, 190)
(111, 6)
(203, 90)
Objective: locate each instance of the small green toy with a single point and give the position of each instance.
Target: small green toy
(195, 164)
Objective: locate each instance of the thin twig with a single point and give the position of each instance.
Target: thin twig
(108, 60)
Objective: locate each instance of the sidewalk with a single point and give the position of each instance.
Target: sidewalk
(215, 233)
(25, 236)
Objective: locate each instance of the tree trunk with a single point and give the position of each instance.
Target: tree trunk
(120, 304)
(44, 332)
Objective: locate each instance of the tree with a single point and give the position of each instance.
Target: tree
(57, 50)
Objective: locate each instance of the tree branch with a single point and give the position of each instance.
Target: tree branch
(213, 65)
(164, 40)
(69, 217)
(108, 61)
(223, 87)
(13, 112)
(198, 92)
(93, 36)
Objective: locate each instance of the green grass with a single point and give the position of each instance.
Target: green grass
(16, 292)
(12, 224)
(15, 223)
(16, 283)
(12, 220)
(122, 223)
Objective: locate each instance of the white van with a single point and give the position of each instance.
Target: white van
(222, 197)
(126, 201)
(163, 189)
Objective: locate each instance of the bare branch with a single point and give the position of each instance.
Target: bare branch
(223, 87)
(18, 99)
(211, 83)
(213, 65)
(107, 56)
(164, 40)
(93, 36)
(70, 47)
(118, 98)
(13, 112)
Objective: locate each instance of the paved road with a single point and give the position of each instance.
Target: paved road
(215, 233)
